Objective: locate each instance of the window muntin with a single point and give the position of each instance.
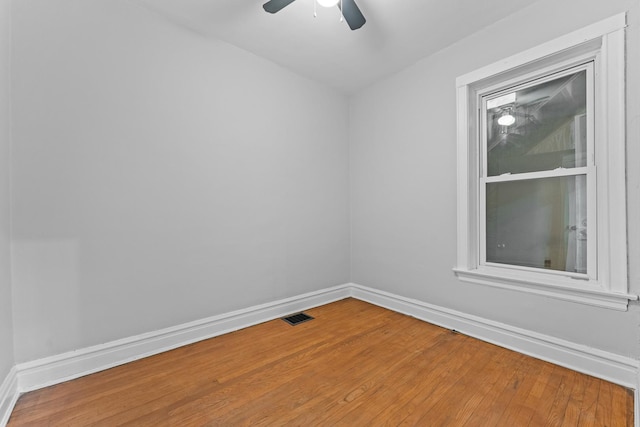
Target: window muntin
(534, 180)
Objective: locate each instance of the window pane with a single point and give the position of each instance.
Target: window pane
(541, 127)
(539, 223)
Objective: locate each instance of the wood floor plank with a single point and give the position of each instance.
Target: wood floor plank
(587, 416)
(621, 399)
(465, 409)
(522, 410)
(432, 391)
(576, 400)
(354, 364)
(545, 399)
(497, 397)
(604, 403)
(435, 370)
(557, 412)
(453, 408)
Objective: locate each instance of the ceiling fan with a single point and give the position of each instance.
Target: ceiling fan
(349, 9)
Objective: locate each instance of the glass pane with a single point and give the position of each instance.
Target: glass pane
(539, 223)
(541, 127)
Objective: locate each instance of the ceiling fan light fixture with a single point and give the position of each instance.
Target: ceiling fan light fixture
(506, 118)
(349, 10)
(328, 3)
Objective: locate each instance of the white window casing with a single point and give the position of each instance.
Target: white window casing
(599, 49)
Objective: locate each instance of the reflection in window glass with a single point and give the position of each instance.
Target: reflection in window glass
(537, 128)
(540, 223)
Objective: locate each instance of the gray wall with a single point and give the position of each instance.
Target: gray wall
(161, 177)
(6, 331)
(403, 180)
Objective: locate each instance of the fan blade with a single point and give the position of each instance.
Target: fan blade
(274, 6)
(352, 14)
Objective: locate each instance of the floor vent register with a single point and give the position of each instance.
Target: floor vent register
(296, 319)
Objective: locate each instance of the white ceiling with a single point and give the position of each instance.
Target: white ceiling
(397, 33)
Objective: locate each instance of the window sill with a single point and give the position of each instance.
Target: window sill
(559, 288)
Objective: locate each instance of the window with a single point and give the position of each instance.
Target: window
(541, 181)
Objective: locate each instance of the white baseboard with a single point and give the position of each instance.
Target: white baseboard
(601, 364)
(74, 364)
(8, 396)
(56, 369)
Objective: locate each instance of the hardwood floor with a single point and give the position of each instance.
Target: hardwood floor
(354, 365)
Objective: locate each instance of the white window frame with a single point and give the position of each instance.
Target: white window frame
(606, 283)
